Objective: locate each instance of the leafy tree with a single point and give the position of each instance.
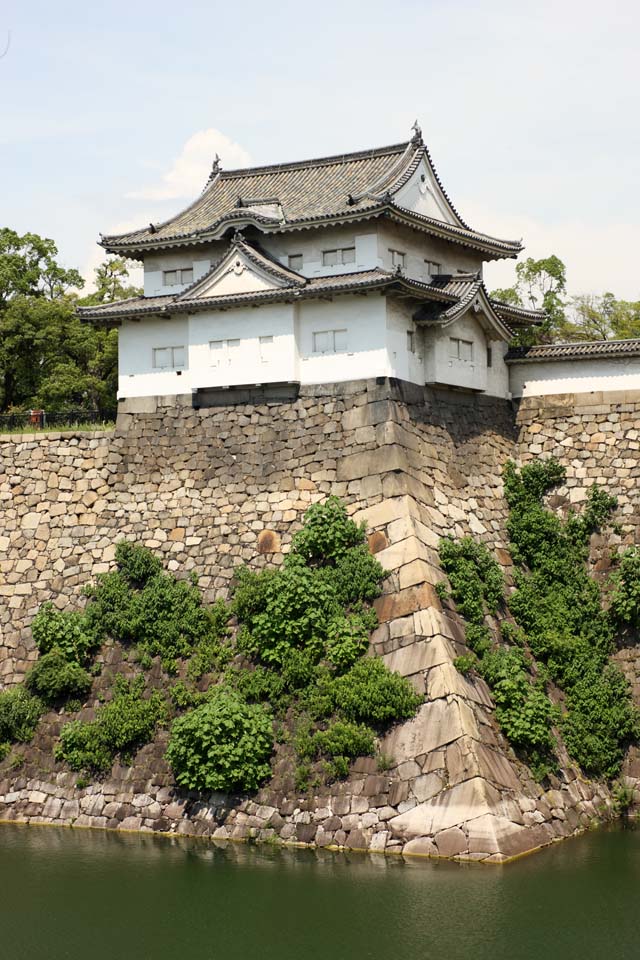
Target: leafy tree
(540, 285)
(28, 267)
(48, 357)
(111, 279)
(604, 318)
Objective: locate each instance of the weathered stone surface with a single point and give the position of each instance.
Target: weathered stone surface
(464, 802)
(437, 723)
(213, 488)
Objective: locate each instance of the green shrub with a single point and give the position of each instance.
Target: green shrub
(370, 693)
(477, 584)
(122, 725)
(54, 677)
(20, 712)
(225, 744)
(465, 664)
(523, 708)
(327, 533)
(340, 743)
(625, 599)
(136, 564)
(67, 632)
(140, 604)
(600, 721)
(5, 750)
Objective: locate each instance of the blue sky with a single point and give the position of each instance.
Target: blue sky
(110, 113)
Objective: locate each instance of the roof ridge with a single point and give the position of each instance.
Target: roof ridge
(314, 161)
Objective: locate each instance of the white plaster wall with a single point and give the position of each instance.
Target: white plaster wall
(248, 362)
(440, 368)
(574, 376)
(364, 319)
(136, 342)
(403, 364)
(200, 257)
(422, 194)
(420, 247)
(498, 372)
(311, 243)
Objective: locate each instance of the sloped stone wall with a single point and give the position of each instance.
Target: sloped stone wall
(213, 488)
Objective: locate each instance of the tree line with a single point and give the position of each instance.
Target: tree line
(542, 284)
(51, 359)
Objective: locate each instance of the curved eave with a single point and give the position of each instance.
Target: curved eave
(491, 247)
(518, 316)
(348, 284)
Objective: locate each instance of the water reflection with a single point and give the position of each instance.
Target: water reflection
(66, 893)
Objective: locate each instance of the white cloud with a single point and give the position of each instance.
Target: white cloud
(190, 169)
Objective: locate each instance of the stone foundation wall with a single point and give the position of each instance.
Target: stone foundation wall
(209, 489)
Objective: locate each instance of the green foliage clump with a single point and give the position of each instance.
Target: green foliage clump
(317, 601)
(625, 599)
(477, 584)
(371, 693)
(559, 607)
(54, 677)
(20, 712)
(465, 663)
(140, 604)
(69, 633)
(224, 744)
(523, 708)
(122, 725)
(340, 743)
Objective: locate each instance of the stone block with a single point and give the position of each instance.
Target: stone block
(437, 723)
(420, 847)
(393, 606)
(451, 842)
(452, 808)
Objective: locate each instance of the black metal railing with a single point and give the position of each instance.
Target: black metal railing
(53, 420)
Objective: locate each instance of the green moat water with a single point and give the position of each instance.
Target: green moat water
(88, 894)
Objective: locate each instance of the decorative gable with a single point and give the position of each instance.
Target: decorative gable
(242, 270)
(423, 194)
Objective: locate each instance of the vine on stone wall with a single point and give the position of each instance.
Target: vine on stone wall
(564, 633)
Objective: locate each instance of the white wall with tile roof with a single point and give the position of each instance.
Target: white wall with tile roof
(582, 375)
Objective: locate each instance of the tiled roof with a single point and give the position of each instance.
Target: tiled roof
(303, 189)
(314, 287)
(518, 315)
(574, 351)
(344, 188)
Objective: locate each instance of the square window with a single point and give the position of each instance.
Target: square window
(339, 341)
(433, 269)
(161, 358)
(349, 255)
(187, 275)
(295, 261)
(466, 350)
(397, 258)
(178, 357)
(232, 344)
(329, 258)
(321, 342)
(454, 348)
(170, 278)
